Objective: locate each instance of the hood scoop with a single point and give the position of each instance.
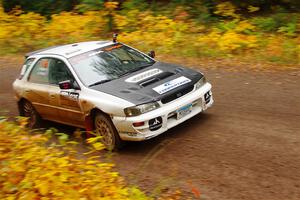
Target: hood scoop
(143, 76)
(155, 79)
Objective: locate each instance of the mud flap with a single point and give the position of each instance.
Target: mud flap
(89, 127)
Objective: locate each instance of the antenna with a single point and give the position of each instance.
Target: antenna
(115, 36)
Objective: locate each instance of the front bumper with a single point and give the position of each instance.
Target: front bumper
(168, 113)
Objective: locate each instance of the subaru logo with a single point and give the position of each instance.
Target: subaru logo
(178, 94)
(167, 84)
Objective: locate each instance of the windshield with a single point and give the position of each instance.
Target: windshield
(108, 63)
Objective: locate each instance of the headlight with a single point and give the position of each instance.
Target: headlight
(140, 109)
(200, 83)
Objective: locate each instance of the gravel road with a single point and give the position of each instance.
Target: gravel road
(247, 146)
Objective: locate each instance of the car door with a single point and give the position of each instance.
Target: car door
(69, 105)
(40, 92)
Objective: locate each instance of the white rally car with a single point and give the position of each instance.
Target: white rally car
(117, 91)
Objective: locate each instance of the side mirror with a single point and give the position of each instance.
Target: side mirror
(66, 85)
(151, 54)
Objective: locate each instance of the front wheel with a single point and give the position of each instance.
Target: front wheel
(27, 110)
(105, 128)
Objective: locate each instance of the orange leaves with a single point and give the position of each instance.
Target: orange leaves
(196, 192)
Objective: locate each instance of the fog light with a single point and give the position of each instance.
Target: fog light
(137, 124)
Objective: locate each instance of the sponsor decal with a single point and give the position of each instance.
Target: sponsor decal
(143, 75)
(113, 47)
(69, 99)
(170, 85)
(207, 97)
(70, 95)
(155, 124)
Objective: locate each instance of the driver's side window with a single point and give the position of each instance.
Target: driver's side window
(58, 72)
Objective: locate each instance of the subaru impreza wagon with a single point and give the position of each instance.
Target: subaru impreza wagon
(110, 88)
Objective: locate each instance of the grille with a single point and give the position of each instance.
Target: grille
(177, 94)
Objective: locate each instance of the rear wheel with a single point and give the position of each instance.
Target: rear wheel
(105, 128)
(27, 110)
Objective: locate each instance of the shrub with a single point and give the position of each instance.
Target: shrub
(233, 34)
(265, 23)
(20, 31)
(70, 27)
(286, 22)
(31, 169)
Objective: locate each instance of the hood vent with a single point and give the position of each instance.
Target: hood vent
(157, 78)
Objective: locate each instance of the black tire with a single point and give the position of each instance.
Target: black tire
(27, 110)
(104, 127)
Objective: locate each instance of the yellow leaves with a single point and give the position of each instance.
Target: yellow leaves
(121, 21)
(235, 36)
(42, 187)
(23, 121)
(226, 9)
(71, 27)
(20, 29)
(145, 30)
(62, 162)
(252, 9)
(29, 30)
(243, 26)
(30, 195)
(231, 40)
(149, 31)
(111, 5)
(93, 139)
(31, 170)
(94, 142)
(98, 146)
(211, 37)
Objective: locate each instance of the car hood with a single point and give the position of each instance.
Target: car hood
(154, 83)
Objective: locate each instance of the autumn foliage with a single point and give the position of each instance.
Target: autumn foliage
(176, 32)
(34, 167)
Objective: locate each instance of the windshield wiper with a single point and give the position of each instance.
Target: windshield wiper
(136, 69)
(100, 82)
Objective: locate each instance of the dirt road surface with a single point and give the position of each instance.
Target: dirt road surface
(247, 146)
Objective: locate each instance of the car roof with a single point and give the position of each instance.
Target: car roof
(70, 50)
